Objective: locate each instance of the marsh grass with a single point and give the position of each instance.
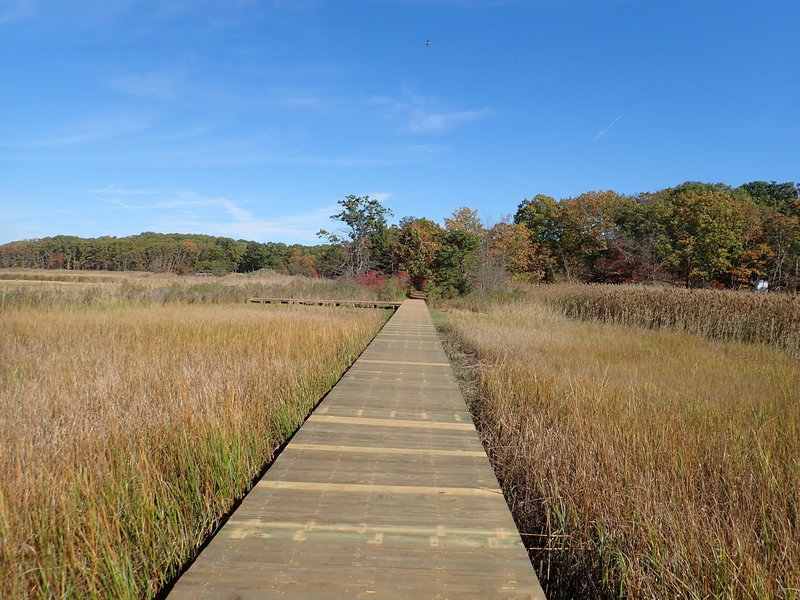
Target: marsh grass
(772, 319)
(42, 288)
(127, 431)
(649, 464)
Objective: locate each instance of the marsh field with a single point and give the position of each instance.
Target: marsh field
(135, 410)
(648, 441)
(657, 462)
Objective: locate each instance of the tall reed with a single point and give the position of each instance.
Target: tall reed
(127, 431)
(772, 318)
(643, 464)
(41, 288)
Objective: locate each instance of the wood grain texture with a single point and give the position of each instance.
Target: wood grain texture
(385, 492)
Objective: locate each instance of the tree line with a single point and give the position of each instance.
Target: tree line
(694, 234)
(173, 253)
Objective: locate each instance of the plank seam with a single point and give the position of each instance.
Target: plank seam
(370, 488)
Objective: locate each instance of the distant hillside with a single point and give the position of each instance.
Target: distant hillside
(171, 252)
(694, 235)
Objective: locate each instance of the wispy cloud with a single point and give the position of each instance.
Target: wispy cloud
(607, 129)
(189, 211)
(461, 3)
(12, 11)
(426, 114)
(303, 101)
(422, 120)
(300, 226)
(116, 195)
(380, 196)
(216, 157)
(186, 203)
(87, 15)
(89, 130)
(157, 86)
(312, 95)
(488, 4)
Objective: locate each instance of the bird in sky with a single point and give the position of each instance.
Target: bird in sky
(427, 43)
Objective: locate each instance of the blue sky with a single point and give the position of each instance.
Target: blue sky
(250, 119)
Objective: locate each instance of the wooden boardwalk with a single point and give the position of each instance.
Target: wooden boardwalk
(385, 492)
(344, 303)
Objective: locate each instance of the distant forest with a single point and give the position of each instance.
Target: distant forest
(694, 234)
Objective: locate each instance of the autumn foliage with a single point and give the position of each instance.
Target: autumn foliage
(692, 235)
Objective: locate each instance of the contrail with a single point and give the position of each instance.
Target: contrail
(602, 133)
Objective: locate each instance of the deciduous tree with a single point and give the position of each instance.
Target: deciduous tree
(418, 240)
(465, 219)
(703, 228)
(365, 218)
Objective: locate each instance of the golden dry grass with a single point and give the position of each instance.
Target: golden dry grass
(127, 431)
(744, 316)
(44, 288)
(76, 276)
(657, 464)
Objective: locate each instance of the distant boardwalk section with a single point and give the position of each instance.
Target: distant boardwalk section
(385, 492)
(345, 303)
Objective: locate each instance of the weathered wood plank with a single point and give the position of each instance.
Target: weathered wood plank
(385, 492)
